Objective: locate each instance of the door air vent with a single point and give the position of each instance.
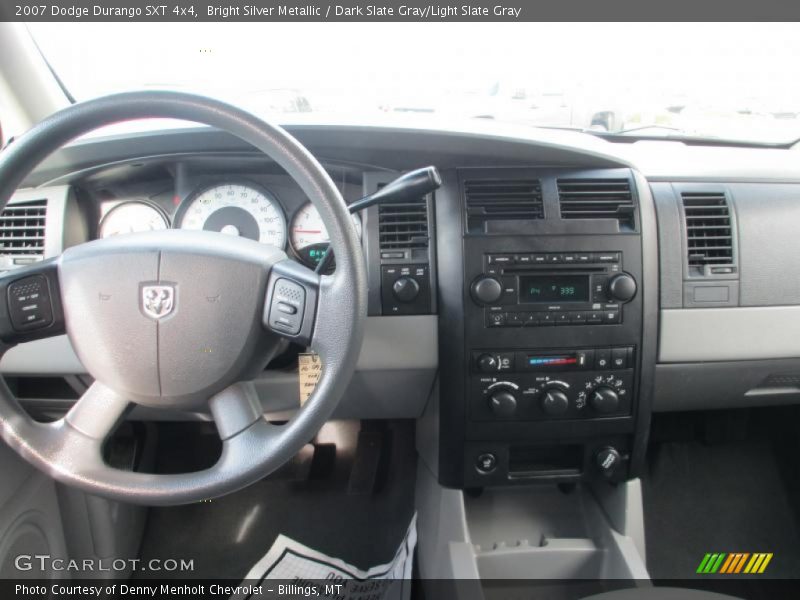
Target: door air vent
(22, 227)
(403, 225)
(598, 199)
(499, 200)
(709, 235)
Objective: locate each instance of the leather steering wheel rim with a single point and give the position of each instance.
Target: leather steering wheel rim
(70, 450)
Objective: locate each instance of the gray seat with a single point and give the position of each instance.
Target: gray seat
(660, 593)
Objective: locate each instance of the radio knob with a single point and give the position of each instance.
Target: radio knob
(487, 290)
(604, 400)
(405, 289)
(503, 403)
(488, 363)
(554, 402)
(622, 287)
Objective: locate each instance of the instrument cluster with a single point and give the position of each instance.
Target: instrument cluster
(236, 207)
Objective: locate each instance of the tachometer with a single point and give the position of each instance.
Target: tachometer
(132, 216)
(241, 209)
(309, 237)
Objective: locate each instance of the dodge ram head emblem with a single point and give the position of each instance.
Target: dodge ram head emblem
(158, 300)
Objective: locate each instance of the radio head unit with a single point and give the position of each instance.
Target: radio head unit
(565, 288)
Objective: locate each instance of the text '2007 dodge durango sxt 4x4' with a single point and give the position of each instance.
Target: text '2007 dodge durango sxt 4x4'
(508, 331)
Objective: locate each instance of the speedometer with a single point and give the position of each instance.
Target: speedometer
(241, 209)
(309, 237)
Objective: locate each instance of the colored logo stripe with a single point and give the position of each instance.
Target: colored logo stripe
(734, 562)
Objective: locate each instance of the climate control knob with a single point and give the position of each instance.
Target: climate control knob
(604, 400)
(622, 287)
(503, 403)
(554, 402)
(487, 290)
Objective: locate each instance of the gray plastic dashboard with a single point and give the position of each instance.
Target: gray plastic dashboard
(744, 352)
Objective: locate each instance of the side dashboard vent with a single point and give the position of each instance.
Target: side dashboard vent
(499, 200)
(709, 233)
(403, 225)
(22, 228)
(598, 199)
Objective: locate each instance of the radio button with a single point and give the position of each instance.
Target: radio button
(599, 283)
(539, 259)
(524, 259)
(555, 258)
(514, 319)
(584, 257)
(487, 290)
(570, 259)
(547, 318)
(602, 359)
(578, 318)
(594, 317)
(495, 319)
(501, 259)
(607, 257)
(509, 290)
(612, 317)
(531, 319)
(562, 318)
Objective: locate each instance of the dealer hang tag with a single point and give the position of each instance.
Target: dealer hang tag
(310, 370)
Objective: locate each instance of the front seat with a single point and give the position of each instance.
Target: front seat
(660, 593)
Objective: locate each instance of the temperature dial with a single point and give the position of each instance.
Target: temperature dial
(503, 403)
(554, 402)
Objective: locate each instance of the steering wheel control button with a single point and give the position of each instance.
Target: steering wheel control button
(288, 304)
(29, 303)
(287, 308)
(486, 463)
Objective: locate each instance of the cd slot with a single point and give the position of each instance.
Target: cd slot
(522, 270)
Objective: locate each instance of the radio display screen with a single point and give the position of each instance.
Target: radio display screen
(553, 288)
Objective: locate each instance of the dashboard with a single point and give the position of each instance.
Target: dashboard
(563, 288)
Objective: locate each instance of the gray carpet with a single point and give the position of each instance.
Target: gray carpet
(227, 536)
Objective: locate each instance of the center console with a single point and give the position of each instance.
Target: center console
(550, 354)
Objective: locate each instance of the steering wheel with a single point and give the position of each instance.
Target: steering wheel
(179, 319)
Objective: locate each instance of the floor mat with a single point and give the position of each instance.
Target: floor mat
(227, 536)
(724, 497)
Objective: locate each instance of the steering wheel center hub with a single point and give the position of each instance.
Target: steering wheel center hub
(167, 319)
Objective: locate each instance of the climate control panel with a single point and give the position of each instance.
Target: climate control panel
(522, 385)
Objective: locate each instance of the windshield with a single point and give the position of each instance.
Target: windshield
(727, 81)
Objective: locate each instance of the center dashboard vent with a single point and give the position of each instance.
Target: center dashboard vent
(403, 225)
(709, 233)
(598, 199)
(502, 200)
(22, 229)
